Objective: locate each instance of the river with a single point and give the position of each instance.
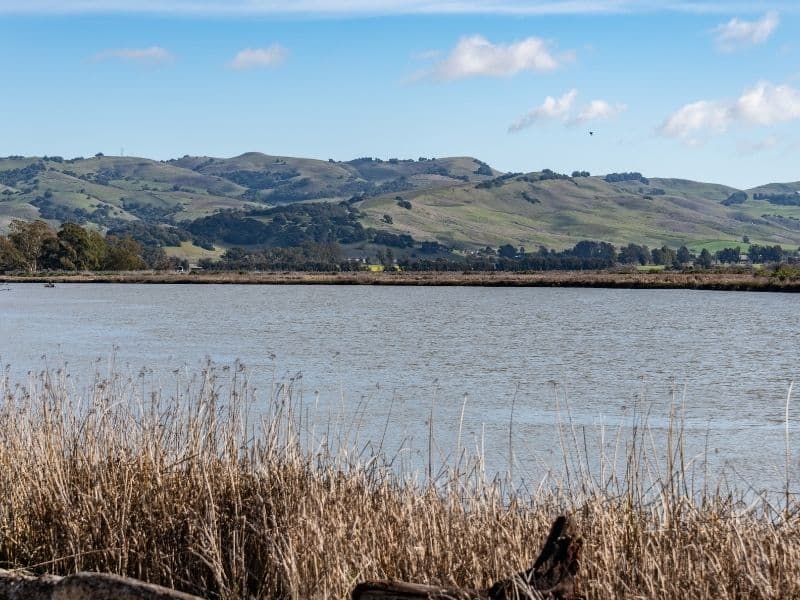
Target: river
(590, 359)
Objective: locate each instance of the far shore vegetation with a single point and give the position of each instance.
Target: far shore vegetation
(218, 491)
(74, 252)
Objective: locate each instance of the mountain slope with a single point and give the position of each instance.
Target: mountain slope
(282, 179)
(103, 189)
(460, 202)
(526, 211)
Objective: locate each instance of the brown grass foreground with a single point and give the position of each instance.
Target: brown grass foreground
(191, 491)
(603, 279)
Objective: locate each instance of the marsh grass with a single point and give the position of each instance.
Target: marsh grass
(731, 279)
(211, 490)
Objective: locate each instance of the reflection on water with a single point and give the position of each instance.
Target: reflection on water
(595, 360)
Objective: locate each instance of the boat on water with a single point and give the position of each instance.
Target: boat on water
(49, 284)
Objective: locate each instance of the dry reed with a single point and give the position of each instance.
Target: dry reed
(208, 491)
(714, 280)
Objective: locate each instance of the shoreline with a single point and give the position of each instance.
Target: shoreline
(590, 279)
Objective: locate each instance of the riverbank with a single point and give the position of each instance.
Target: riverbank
(751, 282)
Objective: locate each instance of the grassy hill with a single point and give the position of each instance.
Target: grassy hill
(102, 189)
(282, 179)
(460, 202)
(525, 210)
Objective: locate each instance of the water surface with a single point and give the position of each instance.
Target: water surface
(589, 355)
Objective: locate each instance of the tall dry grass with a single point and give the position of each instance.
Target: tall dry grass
(210, 491)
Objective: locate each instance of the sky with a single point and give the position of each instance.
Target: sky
(706, 90)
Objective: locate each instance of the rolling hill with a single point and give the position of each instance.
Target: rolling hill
(103, 189)
(459, 202)
(529, 210)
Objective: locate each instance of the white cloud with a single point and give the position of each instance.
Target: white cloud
(560, 109)
(599, 110)
(550, 109)
(250, 58)
(390, 7)
(737, 33)
(767, 104)
(476, 56)
(764, 104)
(153, 55)
(702, 117)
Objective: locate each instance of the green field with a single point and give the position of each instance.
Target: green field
(717, 245)
(192, 253)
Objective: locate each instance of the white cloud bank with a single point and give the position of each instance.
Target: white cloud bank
(737, 33)
(251, 58)
(388, 7)
(154, 55)
(764, 104)
(475, 56)
(560, 109)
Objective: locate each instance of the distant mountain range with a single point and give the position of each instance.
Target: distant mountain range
(461, 202)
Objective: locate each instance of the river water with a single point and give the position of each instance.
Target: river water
(578, 366)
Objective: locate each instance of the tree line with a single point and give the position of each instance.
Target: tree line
(431, 256)
(36, 246)
(311, 238)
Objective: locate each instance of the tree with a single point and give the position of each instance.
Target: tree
(633, 254)
(124, 254)
(11, 259)
(599, 250)
(388, 258)
(704, 261)
(84, 250)
(683, 256)
(663, 255)
(765, 254)
(729, 255)
(29, 239)
(506, 251)
(735, 198)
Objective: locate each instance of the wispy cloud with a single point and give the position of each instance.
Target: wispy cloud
(389, 7)
(154, 55)
(552, 109)
(599, 110)
(560, 109)
(764, 104)
(737, 33)
(475, 56)
(768, 143)
(251, 58)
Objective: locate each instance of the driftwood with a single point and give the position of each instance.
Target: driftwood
(82, 586)
(553, 576)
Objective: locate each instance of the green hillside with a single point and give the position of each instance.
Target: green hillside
(282, 179)
(104, 189)
(526, 211)
(460, 202)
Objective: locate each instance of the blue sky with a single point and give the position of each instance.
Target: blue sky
(699, 90)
